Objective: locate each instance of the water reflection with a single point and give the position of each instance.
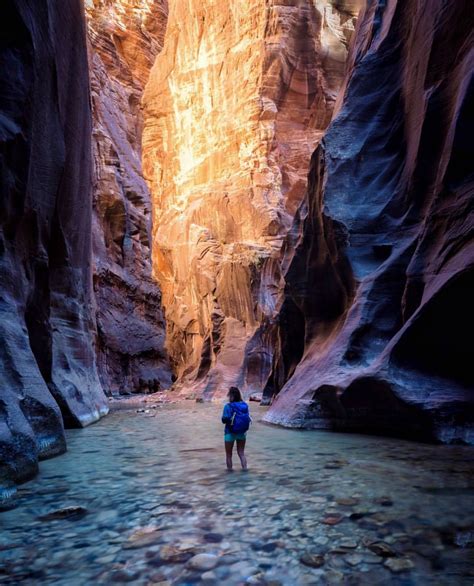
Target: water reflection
(157, 506)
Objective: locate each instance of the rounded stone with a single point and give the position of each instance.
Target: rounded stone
(397, 565)
(203, 561)
(313, 560)
(213, 537)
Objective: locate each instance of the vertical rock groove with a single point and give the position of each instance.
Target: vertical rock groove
(393, 178)
(125, 36)
(48, 371)
(236, 102)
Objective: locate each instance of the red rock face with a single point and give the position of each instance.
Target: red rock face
(351, 293)
(46, 325)
(380, 283)
(236, 103)
(125, 37)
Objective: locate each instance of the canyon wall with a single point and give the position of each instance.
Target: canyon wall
(349, 289)
(380, 284)
(48, 370)
(236, 103)
(124, 38)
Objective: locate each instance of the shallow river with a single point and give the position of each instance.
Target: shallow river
(314, 508)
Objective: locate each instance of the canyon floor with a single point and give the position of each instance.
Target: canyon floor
(156, 506)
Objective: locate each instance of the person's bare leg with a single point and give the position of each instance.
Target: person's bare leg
(229, 446)
(241, 453)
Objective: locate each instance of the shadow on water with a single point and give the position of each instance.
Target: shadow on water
(145, 498)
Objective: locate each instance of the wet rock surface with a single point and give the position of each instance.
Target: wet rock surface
(382, 276)
(48, 371)
(154, 493)
(125, 36)
(66, 513)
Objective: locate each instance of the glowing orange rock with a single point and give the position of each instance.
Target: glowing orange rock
(235, 105)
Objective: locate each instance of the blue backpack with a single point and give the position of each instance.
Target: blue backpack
(240, 420)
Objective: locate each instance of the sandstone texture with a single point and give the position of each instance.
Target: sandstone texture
(124, 38)
(236, 103)
(380, 284)
(48, 370)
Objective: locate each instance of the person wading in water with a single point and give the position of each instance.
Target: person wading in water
(237, 420)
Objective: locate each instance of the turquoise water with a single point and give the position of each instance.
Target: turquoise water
(161, 509)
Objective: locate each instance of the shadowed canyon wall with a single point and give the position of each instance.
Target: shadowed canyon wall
(48, 369)
(236, 103)
(125, 36)
(381, 280)
(348, 292)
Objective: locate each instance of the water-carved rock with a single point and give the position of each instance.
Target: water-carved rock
(381, 282)
(48, 370)
(124, 36)
(236, 102)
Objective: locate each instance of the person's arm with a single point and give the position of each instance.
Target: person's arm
(227, 414)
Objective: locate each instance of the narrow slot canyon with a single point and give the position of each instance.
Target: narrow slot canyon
(272, 195)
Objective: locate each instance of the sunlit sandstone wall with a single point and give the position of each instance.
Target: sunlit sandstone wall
(124, 37)
(47, 368)
(380, 286)
(236, 103)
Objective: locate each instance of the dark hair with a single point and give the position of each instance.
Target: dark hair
(234, 395)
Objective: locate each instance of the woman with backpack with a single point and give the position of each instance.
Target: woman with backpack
(237, 420)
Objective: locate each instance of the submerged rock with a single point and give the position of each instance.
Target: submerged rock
(381, 549)
(398, 565)
(332, 519)
(143, 537)
(123, 575)
(353, 559)
(170, 554)
(347, 501)
(313, 560)
(255, 543)
(385, 501)
(203, 561)
(213, 537)
(72, 513)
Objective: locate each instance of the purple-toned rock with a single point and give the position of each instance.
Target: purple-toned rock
(48, 371)
(376, 327)
(124, 37)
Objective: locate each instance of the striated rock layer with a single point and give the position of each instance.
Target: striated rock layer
(48, 369)
(381, 281)
(235, 105)
(125, 36)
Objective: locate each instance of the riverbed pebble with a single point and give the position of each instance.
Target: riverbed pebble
(203, 561)
(398, 565)
(313, 560)
(74, 512)
(157, 496)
